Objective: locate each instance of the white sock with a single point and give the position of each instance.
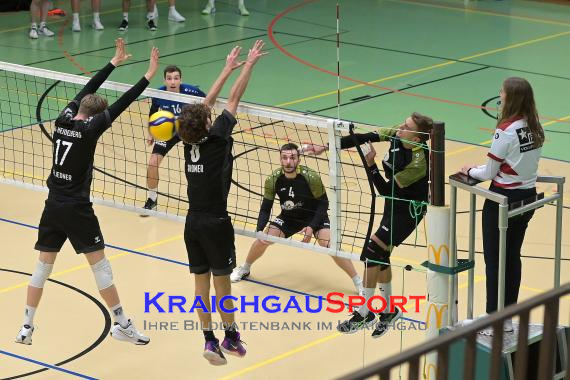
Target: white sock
(386, 292)
(42, 24)
(172, 8)
(29, 315)
(119, 316)
(241, 4)
(152, 194)
(126, 16)
(246, 265)
(76, 16)
(357, 280)
(211, 3)
(150, 15)
(34, 25)
(368, 293)
(95, 15)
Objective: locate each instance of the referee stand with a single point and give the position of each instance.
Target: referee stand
(535, 340)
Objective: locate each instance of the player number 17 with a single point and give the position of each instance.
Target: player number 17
(67, 145)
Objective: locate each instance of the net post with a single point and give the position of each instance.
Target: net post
(437, 162)
(558, 236)
(441, 309)
(334, 128)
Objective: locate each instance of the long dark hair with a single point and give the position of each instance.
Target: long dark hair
(519, 102)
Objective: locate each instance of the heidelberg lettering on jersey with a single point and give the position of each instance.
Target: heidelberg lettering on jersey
(68, 132)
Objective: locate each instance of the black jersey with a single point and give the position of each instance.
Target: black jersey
(303, 199)
(208, 167)
(74, 142)
(407, 167)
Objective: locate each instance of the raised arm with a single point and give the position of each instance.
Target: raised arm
(346, 142)
(232, 63)
(133, 93)
(241, 82)
(94, 83)
(153, 106)
(102, 121)
(379, 182)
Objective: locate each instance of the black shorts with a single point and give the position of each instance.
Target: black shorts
(163, 147)
(76, 222)
(394, 229)
(291, 226)
(210, 244)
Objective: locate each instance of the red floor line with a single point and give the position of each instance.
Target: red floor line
(270, 31)
(530, 18)
(68, 56)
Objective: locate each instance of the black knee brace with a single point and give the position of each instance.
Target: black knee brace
(374, 252)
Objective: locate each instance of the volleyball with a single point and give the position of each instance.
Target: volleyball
(161, 125)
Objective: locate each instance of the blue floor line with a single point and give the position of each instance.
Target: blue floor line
(47, 365)
(186, 265)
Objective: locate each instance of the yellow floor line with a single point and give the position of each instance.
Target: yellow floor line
(467, 58)
(330, 337)
(301, 348)
(486, 142)
(488, 13)
(281, 356)
(468, 148)
(555, 121)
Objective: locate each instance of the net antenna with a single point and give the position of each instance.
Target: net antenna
(338, 60)
(335, 162)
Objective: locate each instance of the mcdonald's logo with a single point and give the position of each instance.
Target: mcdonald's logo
(438, 315)
(437, 252)
(429, 369)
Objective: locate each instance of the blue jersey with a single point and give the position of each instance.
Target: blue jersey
(171, 105)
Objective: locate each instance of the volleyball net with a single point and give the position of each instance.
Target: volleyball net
(33, 98)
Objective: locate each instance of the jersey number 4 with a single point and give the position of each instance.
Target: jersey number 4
(67, 145)
(291, 193)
